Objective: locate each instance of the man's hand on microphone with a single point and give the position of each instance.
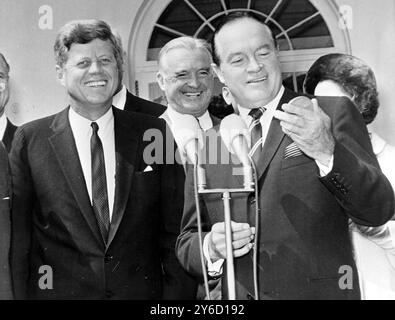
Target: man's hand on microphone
(242, 237)
(310, 128)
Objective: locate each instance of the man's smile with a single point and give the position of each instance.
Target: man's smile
(96, 83)
(257, 80)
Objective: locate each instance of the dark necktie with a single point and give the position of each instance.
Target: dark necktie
(255, 129)
(99, 183)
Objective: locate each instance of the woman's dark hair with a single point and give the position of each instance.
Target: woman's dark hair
(353, 75)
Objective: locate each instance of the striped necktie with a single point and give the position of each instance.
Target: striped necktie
(99, 183)
(255, 129)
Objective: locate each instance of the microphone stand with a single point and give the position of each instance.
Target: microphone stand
(226, 196)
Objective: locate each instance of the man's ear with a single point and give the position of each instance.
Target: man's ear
(227, 96)
(60, 74)
(218, 72)
(161, 80)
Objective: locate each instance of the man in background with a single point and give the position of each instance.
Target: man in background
(6, 133)
(124, 100)
(187, 80)
(186, 77)
(5, 228)
(7, 129)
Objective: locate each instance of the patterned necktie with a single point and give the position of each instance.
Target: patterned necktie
(99, 183)
(255, 129)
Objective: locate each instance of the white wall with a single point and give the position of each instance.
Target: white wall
(372, 39)
(36, 93)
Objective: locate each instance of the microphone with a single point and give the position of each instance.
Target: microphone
(236, 137)
(187, 133)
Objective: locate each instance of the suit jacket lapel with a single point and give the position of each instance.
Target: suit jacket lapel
(9, 134)
(274, 137)
(165, 116)
(63, 144)
(126, 146)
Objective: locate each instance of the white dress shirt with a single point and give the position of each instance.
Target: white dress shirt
(82, 132)
(119, 100)
(204, 120)
(3, 125)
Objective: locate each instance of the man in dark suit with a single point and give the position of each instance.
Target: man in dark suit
(7, 129)
(315, 168)
(5, 228)
(123, 99)
(93, 216)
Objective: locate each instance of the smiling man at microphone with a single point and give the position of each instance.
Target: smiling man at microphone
(315, 169)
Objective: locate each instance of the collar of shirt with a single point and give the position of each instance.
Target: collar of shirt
(3, 125)
(82, 132)
(82, 126)
(204, 120)
(267, 117)
(270, 108)
(119, 100)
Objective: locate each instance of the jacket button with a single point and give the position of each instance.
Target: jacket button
(108, 258)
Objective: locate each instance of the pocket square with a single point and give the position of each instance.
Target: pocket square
(292, 151)
(148, 169)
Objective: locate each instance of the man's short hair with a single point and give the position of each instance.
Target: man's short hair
(82, 32)
(7, 66)
(188, 43)
(353, 75)
(234, 16)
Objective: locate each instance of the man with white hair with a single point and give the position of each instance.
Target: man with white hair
(187, 80)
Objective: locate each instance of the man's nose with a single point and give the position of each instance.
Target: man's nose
(254, 65)
(95, 67)
(194, 81)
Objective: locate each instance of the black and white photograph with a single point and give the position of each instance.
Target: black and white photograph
(197, 154)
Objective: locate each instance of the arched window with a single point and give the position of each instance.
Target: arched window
(304, 29)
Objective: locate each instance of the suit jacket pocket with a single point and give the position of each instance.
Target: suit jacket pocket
(323, 278)
(147, 183)
(295, 161)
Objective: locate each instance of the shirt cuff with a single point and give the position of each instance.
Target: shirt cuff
(214, 269)
(324, 170)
